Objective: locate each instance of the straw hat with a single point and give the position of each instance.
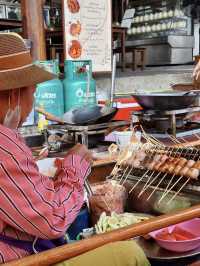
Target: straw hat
(16, 66)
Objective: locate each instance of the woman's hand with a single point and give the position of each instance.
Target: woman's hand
(82, 151)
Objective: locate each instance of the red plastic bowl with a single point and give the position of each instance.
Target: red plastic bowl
(192, 226)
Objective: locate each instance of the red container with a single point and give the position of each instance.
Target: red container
(125, 108)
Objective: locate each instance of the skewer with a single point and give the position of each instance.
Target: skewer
(170, 189)
(149, 170)
(125, 174)
(119, 162)
(174, 141)
(181, 188)
(127, 150)
(149, 178)
(161, 180)
(194, 155)
(138, 181)
(142, 176)
(160, 145)
(148, 185)
(125, 179)
(150, 138)
(168, 185)
(178, 191)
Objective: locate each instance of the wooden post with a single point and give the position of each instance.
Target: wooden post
(33, 27)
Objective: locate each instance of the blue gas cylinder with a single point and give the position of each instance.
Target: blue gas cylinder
(49, 94)
(79, 86)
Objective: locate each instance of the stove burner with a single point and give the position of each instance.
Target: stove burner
(171, 122)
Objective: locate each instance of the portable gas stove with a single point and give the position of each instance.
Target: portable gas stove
(85, 131)
(61, 135)
(158, 123)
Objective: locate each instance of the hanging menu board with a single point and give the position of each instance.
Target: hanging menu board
(87, 31)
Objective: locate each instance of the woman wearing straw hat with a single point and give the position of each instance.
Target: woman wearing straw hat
(36, 211)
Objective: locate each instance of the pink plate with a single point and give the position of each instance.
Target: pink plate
(192, 226)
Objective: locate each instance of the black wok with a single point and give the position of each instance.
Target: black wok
(166, 101)
(96, 114)
(107, 113)
(100, 115)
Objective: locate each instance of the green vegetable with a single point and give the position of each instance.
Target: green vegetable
(116, 221)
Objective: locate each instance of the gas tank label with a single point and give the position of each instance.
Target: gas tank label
(48, 95)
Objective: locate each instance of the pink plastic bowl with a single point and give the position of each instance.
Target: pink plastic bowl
(192, 226)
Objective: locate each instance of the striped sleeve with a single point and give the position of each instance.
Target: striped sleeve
(35, 204)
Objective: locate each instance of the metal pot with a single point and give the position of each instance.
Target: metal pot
(167, 101)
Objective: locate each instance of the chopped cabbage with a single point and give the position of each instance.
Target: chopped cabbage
(116, 221)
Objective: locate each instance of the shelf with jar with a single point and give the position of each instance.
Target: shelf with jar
(157, 16)
(160, 23)
(171, 26)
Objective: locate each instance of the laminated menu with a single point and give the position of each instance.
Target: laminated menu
(87, 32)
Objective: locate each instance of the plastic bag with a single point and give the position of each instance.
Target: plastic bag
(108, 197)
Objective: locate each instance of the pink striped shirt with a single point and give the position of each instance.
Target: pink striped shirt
(31, 204)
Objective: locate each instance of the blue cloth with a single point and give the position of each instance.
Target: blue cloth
(40, 245)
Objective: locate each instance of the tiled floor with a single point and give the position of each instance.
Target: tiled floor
(155, 70)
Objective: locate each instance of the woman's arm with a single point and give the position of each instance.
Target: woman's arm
(37, 205)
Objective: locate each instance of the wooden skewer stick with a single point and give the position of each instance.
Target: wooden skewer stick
(150, 157)
(176, 183)
(170, 189)
(178, 191)
(161, 180)
(148, 185)
(123, 175)
(125, 179)
(166, 189)
(139, 180)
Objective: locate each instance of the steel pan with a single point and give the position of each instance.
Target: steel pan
(166, 101)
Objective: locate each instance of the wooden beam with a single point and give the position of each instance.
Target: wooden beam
(33, 27)
(71, 250)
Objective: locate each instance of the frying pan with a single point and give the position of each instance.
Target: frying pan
(99, 115)
(166, 101)
(107, 113)
(82, 115)
(74, 116)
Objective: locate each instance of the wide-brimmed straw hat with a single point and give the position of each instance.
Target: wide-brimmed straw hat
(17, 69)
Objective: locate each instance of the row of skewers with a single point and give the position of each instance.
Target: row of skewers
(166, 164)
(159, 161)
